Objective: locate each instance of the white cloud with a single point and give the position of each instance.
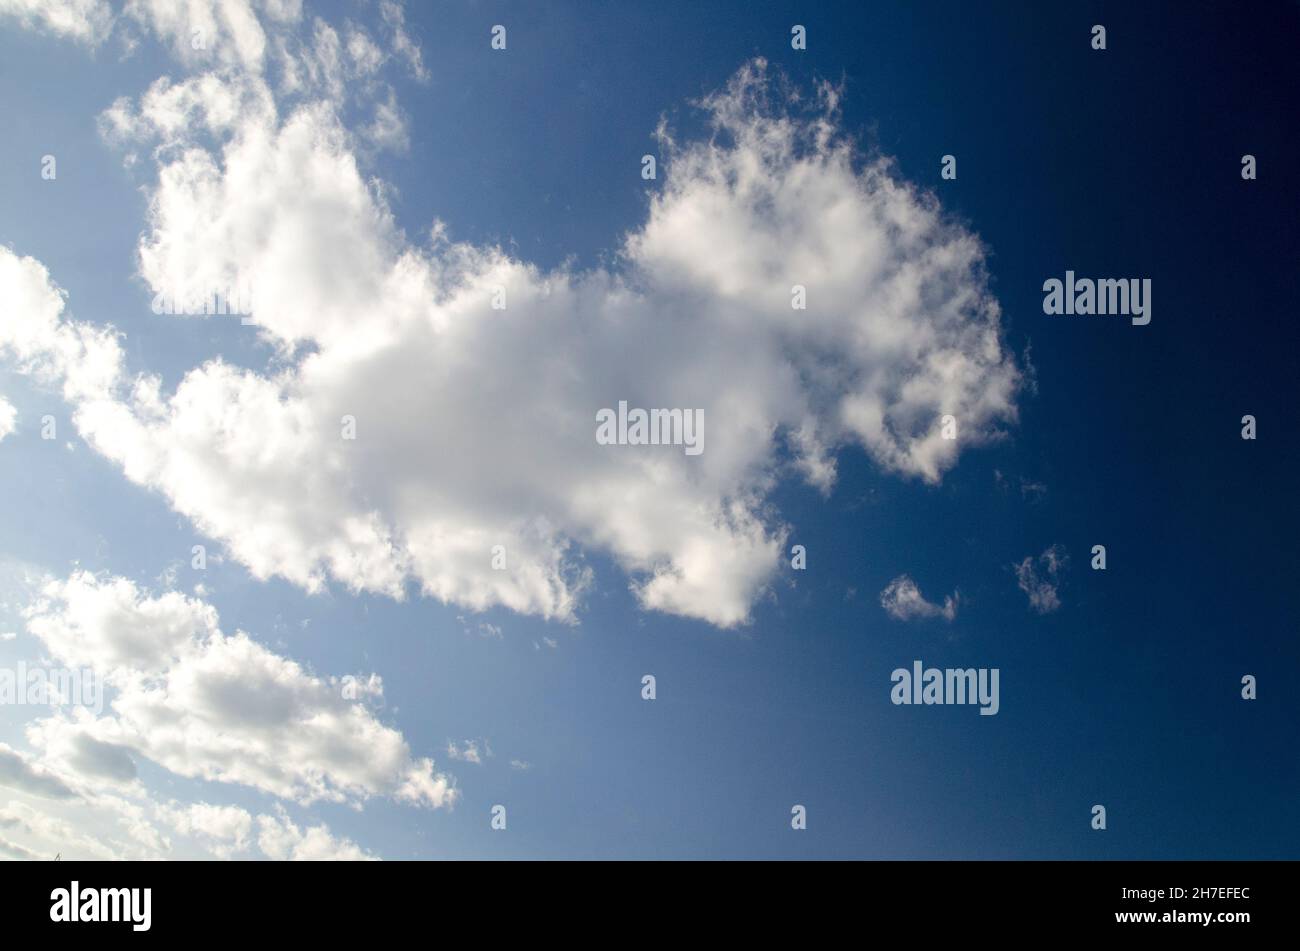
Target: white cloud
(1039, 578)
(205, 704)
(114, 828)
(84, 832)
(903, 601)
(87, 749)
(245, 40)
(388, 129)
(475, 426)
(171, 113)
(15, 851)
(86, 361)
(317, 64)
(469, 751)
(366, 56)
(17, 771)
(405, 47)
(88, 21)
(230, 831)
(481, 628)
(226, 830)
(281, 839)
(205, 32)
(8, 418)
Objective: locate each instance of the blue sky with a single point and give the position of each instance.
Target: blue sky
(1123, 686)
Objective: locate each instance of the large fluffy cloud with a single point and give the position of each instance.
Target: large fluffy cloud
(475, 426)
(206, 704)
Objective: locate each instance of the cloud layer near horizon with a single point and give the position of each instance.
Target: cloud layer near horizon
(210, 705)
(219, 708)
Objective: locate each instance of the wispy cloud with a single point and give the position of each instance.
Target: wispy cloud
(470, 751)
(1039, 578)
(87, 21)
(903, 601)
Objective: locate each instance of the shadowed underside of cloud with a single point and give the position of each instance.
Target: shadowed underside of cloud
(475, 426)
(15, 851)
(18, 772)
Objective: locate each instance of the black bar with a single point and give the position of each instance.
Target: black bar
(978, 901)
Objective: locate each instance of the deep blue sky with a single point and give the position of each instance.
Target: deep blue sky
(1122, 163)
